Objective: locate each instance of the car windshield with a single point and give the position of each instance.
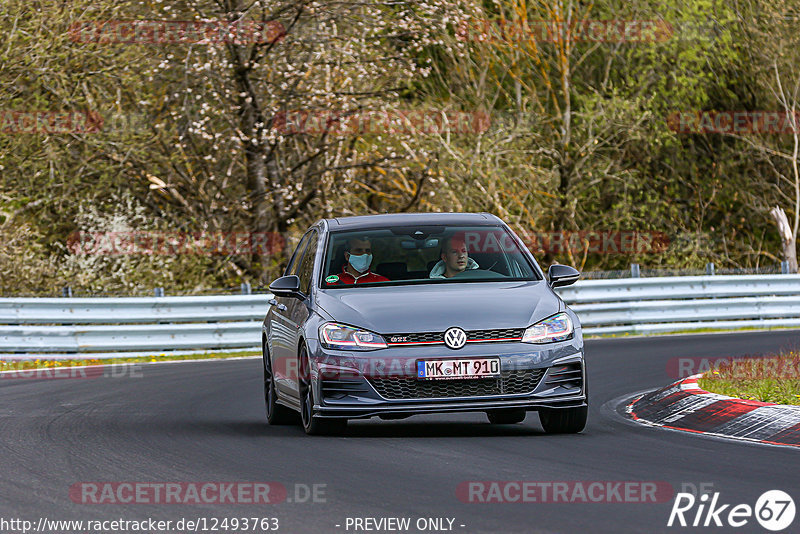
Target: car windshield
(423, 254)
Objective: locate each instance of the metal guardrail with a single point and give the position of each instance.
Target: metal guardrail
(85, 327)
(670, 304)
(680, 287)
(104, 310)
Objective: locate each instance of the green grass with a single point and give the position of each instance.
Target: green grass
(769, 379)
(45, 363)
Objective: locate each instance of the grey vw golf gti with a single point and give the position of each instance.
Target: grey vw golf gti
(397, 315)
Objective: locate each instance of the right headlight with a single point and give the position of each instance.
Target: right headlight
(556, 328)
(340, 336)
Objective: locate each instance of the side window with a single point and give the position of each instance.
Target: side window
(307, 265)
(294, 263)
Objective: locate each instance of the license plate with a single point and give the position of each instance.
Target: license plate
(450, 369)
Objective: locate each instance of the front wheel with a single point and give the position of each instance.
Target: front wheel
(314, 425)
(277, 414)
(563, 420)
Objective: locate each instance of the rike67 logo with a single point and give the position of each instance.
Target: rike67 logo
(774, 510)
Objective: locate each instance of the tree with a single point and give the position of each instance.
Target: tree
(214, 152)
(773, 44)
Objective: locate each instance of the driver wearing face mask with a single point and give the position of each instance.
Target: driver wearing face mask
(358, 256)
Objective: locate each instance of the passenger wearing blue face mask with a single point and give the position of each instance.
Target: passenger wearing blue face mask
(358, 256)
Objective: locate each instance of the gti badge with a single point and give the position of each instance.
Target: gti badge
(455, 338)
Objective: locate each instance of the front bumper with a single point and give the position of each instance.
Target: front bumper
(354, 385)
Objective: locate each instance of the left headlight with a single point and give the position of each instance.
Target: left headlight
(556, 328)
(339, 336)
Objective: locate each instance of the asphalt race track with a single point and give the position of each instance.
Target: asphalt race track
(204, 421)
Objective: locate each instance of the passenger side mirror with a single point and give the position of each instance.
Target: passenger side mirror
(562, 275)
(286, 286)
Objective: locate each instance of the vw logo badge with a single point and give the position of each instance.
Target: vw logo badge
(455, 338)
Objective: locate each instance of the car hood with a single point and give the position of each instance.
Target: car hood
(437, 307)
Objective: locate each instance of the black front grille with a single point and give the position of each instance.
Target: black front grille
(485, 335)
(509, 383)
(419, 337)
(438, 337)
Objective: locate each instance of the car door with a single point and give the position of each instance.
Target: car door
(299, 309)
(282, 329)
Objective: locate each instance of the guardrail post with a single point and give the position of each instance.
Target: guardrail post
(785, 267)
(158, 292)
(246, 290)
(634, 270)
(66, 292)
(710, 270)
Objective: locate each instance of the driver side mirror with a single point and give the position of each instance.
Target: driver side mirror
(286, 286)
(562, 275)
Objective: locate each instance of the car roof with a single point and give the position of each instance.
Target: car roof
(412, 219)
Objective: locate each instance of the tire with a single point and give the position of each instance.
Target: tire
(506, 417)
(313, 425)
(563, 420)
(277, 414)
